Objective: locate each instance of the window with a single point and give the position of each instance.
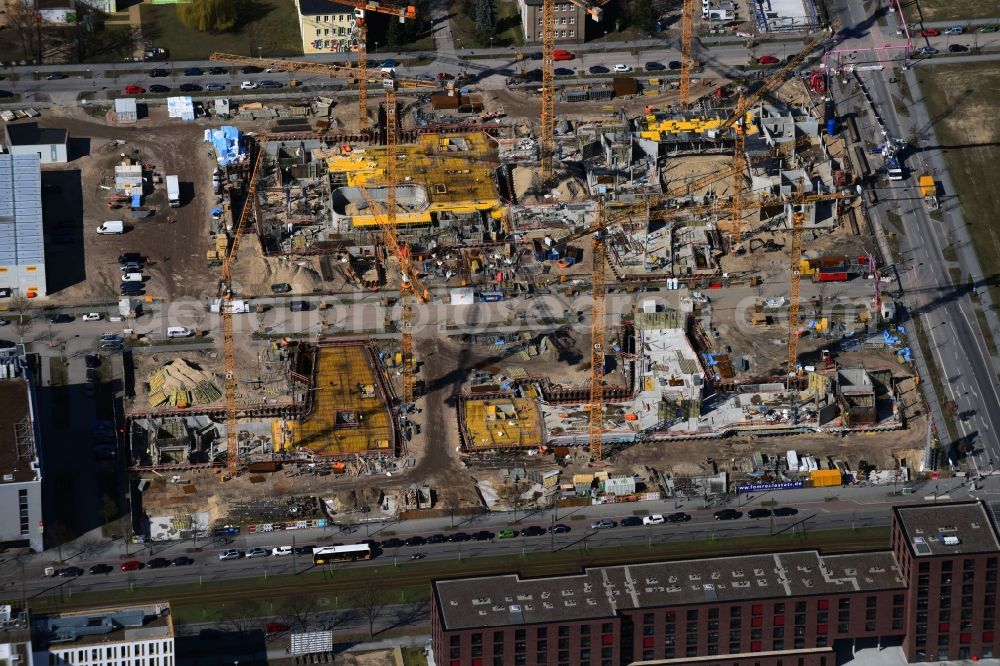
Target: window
(585, 630)
(968, 564)
(924, 567)
(735, 611)
(823, 604)
(843, 627)
(563, 630)
(991, 563)
(897, 600)
(692, 615)
(541, 633)
(22, 495)
(758, 609)
(844, 604)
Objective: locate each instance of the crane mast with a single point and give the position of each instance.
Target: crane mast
(687, 19)
(548, 118)
(597, 339)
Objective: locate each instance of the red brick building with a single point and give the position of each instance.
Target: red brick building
(933, 593)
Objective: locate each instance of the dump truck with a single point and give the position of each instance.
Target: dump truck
(928, 190)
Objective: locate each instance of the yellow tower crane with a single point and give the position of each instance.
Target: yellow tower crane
(597, 341)
(404, 12)
(226, 307)
(687, 20)
(546, 148)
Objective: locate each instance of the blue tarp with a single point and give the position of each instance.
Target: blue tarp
(226, 141)
(136, 200)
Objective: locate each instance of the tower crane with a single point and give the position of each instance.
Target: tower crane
(548, 117)
(596, 423)
(687, 19)
(361, 31)
(226, 309)
(357, 74)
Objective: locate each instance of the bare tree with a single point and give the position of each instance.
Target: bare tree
(23, 18)
(241, 618)
(370, 601)
(21, 306)
(451, 503)
(300, 610)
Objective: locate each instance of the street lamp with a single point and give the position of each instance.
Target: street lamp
(491, 45)
(259, 50)
(605, 42)
(376, 48)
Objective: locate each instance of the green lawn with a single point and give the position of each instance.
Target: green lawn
(463, 28)
(270, 25)
(953, 10)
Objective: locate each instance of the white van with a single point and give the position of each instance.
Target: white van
(281, 550)
(111, 227)
(132, 277)
(179, 332)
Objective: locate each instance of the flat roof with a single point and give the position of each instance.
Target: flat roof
(16, 408)
(145, 622)
(928, 528)
(603, 591)
(30, 134)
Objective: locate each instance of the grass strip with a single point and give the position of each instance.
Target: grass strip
(925, 351)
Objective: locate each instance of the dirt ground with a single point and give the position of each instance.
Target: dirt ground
(175, 240)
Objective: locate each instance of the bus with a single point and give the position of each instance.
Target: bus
(332, 554)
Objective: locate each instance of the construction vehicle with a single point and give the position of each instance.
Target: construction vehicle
(928, 190)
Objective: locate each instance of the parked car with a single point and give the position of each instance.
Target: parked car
(131, 565)
(281, 288)
(55, 76)
(215, 87)
(231, 554)
(630, 521)
(563, 71)
(679, 517)
(101, 569)
(91, 375)
(728, 514)
(928, 50)
(306, 550)
(506, 534)
(389, 66)
(785, 511)
(69, 572)
(437, 538)
(251, 69)
(126, 257)
(92, 316)
(759, 513)
(602, 524)
(218, 71)
(675, 64)
(988, 28)
(598, 69)
(189, 87)
(533, 531)
(654, 519)
(193, 71)
(559, 528)
(275, 627)
(133, 89)
(248, 85)
(955, 30)
(483, 535)
(458, 537)
(930, 32)
(270, 84)
(622, 69)
(562, 54)
(393, 543)
(653, 66)
(159, 73)
(61, 319)
(767, 60)
(182, 561)
(257, 552)
(957, 48)
(130, 267)
(158, 563)
(92, 361)
(415, 541)
(157, 88)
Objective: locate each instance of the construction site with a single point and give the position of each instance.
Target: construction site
(676, 283)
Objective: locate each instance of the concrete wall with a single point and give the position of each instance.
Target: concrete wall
(51, 153)
(10, 513)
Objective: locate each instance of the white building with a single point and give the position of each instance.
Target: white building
(15, 637)
(20, 472)
(48, 143)
(22, 244)
(125, 636)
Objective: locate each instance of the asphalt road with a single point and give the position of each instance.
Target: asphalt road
(947, 315)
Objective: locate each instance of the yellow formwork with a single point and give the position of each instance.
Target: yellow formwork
(341, 374)
(455, 171)
(657, 126)
(503, 423)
